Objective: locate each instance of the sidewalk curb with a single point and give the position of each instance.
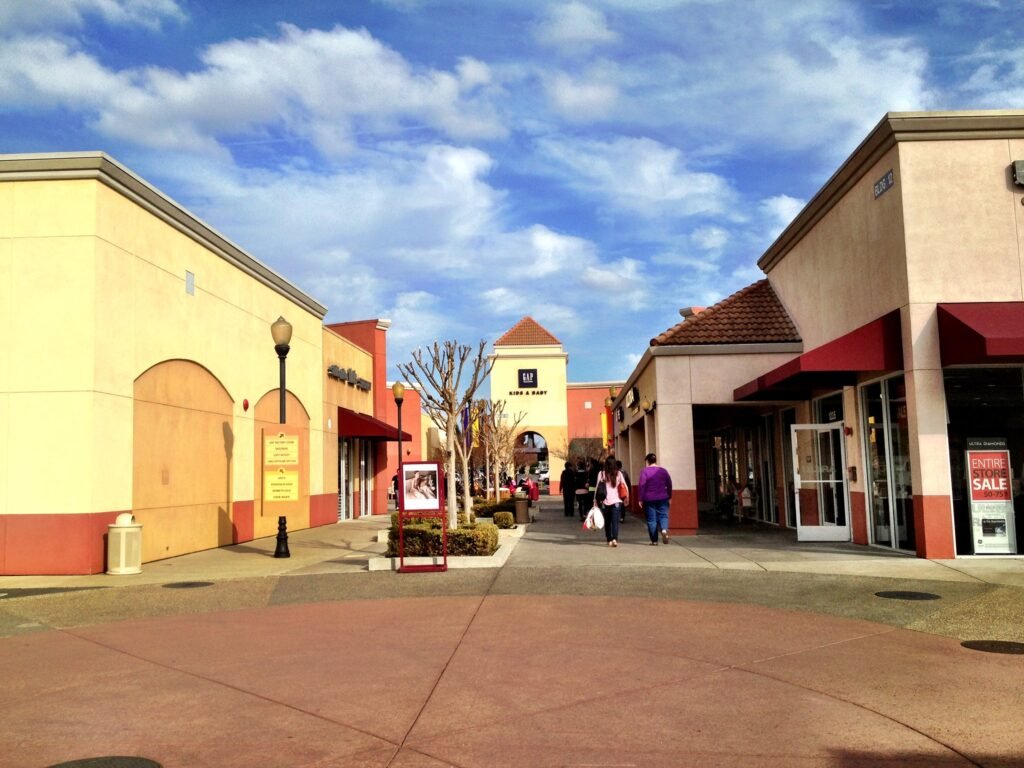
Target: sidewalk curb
(508, 538)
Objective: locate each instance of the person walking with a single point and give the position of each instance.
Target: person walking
(582, 495)
(567, 480)
(612, 494)
(654, 494)
(629, 487)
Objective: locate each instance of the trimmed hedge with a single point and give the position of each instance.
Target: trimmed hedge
(424, 539)
(488, 508)
(504, 520)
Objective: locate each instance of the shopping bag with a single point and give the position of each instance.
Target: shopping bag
(595, 520)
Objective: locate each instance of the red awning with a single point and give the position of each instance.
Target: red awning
(877, 346)
(984, 332)
(352, 424)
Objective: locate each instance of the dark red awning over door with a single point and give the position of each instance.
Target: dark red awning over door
(876, 346)
(352, 424)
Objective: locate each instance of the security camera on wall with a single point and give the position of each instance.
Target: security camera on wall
(1018, 172)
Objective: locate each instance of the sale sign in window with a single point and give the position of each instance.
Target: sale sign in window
(990, 490)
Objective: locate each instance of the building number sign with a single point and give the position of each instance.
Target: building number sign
(884, 184)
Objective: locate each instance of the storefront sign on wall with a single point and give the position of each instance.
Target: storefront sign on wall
(348, 375)
(527, 378)
(990, 492)
(633, 399)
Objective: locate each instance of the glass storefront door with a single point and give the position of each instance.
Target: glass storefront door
(819, 458)
(887, 446)
(766, 470)
(344, 481)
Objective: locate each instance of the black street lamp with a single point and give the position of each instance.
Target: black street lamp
(399, 392)
(281, 331)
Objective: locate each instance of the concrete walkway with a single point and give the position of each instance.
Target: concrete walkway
(741, 649)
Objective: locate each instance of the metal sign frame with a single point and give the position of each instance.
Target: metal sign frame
(416, 475)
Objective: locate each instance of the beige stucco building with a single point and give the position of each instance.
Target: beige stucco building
(870, 388)
(138, 374)
(530, 375)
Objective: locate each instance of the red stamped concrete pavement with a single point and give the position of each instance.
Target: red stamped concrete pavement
(508, 681)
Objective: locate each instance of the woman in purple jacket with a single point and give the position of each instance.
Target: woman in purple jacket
(654, 494)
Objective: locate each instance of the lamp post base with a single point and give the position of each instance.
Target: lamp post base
(282, 538)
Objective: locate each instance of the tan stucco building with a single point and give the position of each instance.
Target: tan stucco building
(138, 374)
(870, 388)
(530, 374)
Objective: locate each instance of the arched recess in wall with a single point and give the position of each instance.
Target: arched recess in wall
(183, 445)
(531, 453)
(267, 415)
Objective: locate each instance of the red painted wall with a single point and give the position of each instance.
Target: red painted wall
(859, 517)
(323, 509)
(933, 523)
(56, 545)
(682, 513)
(582, 421)
(242, 521)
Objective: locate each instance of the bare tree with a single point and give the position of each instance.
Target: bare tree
(439, 378)
(499, 431)
(464, 449)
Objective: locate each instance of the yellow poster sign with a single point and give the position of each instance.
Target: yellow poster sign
(281, 485)
(280, 449)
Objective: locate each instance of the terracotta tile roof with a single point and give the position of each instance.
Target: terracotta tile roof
(526, 333)
(752, 315)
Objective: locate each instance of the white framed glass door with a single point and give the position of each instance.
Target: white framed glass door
(365, 478)
(344, 484)
(819, 459)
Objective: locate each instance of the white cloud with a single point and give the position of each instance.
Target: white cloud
(996, 78)
(581, 99)
(410, 207)
(620, 283)
(320, 86)
(638, 175)
(44, 72)
(710, 238)
(791, 77)
(779, 211)
(48, 14)
(574, 27)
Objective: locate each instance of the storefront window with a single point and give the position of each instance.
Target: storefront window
(828, 409)
(889, 482)
(766, 469)
(985, 408)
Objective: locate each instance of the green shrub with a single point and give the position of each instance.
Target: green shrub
(488, 508)
(480, 539)
(504, 520)
(432, 522)
(423, 540)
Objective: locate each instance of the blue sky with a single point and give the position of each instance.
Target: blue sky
(454, 166)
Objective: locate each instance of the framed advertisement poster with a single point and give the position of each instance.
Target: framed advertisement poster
(421, 483)
(990, 494)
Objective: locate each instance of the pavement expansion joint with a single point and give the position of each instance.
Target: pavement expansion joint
(187, 584)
